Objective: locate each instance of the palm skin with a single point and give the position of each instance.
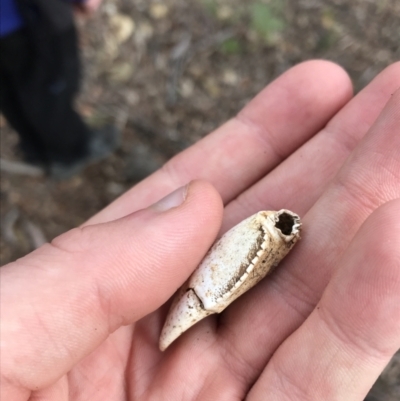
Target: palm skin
(323, 326)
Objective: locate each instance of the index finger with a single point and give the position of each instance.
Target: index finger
(274, 124)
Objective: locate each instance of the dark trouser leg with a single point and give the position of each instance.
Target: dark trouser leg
(13, 49)
(63, 131)
(42, 75)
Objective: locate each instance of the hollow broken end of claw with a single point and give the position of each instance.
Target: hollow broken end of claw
(288, 224)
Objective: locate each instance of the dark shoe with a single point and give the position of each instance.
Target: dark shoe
(102, 143)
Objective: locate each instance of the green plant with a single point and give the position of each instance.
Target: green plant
(267, 19)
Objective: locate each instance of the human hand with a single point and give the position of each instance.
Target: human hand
(81, 318)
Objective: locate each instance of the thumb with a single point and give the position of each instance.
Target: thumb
(63, 300)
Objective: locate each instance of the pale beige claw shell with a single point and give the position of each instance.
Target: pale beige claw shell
(234, 264)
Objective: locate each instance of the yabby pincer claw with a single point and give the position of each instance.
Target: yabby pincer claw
(235, 263)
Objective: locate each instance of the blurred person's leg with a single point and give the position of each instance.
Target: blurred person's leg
(43, 78)
(48, 97)
(13, 67)
(47, 93)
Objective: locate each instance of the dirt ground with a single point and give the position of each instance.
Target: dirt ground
(169, 72)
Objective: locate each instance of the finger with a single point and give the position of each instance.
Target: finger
(343, 346)
(370, 177)
(90, 281)
(282, 117)
(299, 181)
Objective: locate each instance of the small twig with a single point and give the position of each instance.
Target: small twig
(178, 57)
(182, 52)
(8, 224)
(35, 233)
(20, 168)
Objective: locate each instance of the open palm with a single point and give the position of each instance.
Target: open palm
(81, 317)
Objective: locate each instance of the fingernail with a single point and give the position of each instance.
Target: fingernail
(174, 199)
